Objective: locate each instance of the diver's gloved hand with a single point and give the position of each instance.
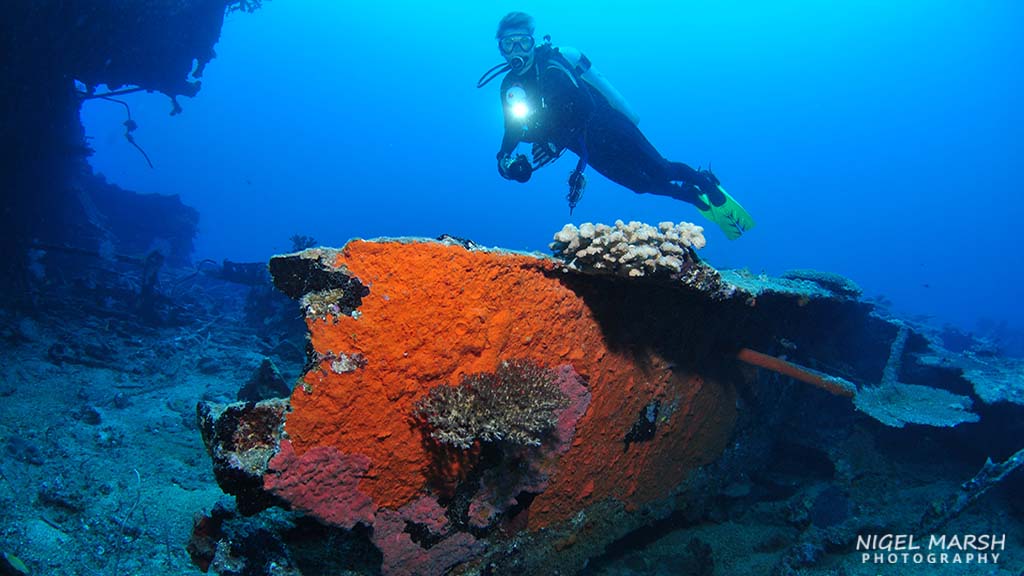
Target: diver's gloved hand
(504, 161)
(518, 168)
(708, 184)
(544, 153)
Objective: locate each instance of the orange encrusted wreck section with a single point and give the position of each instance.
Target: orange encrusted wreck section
(436, 312)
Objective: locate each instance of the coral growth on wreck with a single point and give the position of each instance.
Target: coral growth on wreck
(896, 403)
(323, 304)
(517, 404)
(582, 406)
(430, 314)
(631, 250)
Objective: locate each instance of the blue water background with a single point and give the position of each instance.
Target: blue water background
(877, 139)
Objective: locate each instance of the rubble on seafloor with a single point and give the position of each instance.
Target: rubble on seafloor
(661, 413)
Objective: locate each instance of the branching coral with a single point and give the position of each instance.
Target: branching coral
(301, 242)
(633, 249)
(517, 404)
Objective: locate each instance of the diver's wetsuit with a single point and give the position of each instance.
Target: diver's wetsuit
(570, 113)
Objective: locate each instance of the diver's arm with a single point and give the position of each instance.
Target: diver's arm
(509, 140)
(508, 144)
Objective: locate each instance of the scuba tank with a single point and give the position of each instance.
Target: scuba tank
(585, 70)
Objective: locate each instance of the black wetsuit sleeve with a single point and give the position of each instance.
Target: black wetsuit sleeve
(513, 129)
(510, 139)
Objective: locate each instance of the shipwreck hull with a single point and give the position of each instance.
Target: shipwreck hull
(653, 379)
(388, 321)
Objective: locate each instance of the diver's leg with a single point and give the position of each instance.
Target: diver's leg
(619, 151)
(682, 173)
(647, 174)
(687, 177)
(679, 181)
(682, 191)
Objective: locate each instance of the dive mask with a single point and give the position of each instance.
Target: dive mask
(516, 43)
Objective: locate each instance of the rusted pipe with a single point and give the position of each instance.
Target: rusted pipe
(831, 384)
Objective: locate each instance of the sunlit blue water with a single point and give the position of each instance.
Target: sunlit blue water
(876, 139)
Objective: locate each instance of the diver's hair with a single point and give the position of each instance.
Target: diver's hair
(515, 21)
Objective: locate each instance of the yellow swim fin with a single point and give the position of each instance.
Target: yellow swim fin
(730, 216)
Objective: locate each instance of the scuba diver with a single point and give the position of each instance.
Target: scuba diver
(554, 99)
